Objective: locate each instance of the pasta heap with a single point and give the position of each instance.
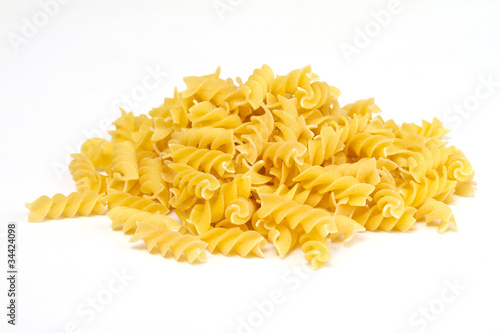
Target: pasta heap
(273, 159)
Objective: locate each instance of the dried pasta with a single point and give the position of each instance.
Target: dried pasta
(271, 160)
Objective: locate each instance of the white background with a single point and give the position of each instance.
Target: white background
(63, 79)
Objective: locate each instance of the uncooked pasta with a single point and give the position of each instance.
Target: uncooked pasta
(275, 160)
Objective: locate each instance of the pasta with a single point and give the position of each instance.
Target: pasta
(170, 241)
(127, 218)
(85, 174)
(271, 160)
(83, 204)
(234, 240)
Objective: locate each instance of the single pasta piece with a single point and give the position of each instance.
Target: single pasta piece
(152, 184)
(279, 209)
(170, 241)
(283, 239)
(125, 162)
(128, 200)
(234, 240)
(76, 203)
(126, 218)
(85, 174)
(99, 151)
(316, 249)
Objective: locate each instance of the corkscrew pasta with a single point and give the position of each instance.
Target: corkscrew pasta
(272, 160)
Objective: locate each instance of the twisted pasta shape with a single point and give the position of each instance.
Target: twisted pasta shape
(206, 114)
(372, 219)
(126, 218)
(323, 148)
(142, 137)
(434, 185)
(346, 226)
(85, 175)
(257, 86)
(279, 209)
(429, 130)
(162, 129)
(76, 203)
(291, 126)
(435, 210)
(206, 138)
(316, 95)
(99, 151)
(344, 188)
(283, 239)
(254, 135)
(368, 145)
(276, 154)
(460, 169)
(202, 215)
(292, 81)
(234, 240)
(239, 211)
(191, 183)
(366, 170)
(152, 182)
(210, 88)
(124, 162)
(362, 107)
(125, 125)
(128, 200)
(202, 159)
(349, 127)
(316, 249)
(170, 241)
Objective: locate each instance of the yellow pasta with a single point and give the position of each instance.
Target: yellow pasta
(127, 218)
(272, 159)
(85, 174)
(234, 240)
(170, 241)
(76, 203)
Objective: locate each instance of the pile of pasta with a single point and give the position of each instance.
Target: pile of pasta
(273, 159)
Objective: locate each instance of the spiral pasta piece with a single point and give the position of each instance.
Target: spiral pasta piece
(152, 183)
(254, 135)
(316, 95)
(283, 239)
(128, 200)
(347, 227)
(124, 162)
(257, 86)
(234, 240)
(362, 107)
(170, 241)
(206, 138)
(279, 209)
(99, 151)
(291, 126)
(435, 210)
(316, 249)
(76, 203)
(206, 114)
(344, 188)
(202, 159)
(322, 149)
(292, 81)
(85, 175)
(191, 184)
(126, 218)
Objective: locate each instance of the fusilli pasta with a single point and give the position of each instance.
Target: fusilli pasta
(273, 158)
